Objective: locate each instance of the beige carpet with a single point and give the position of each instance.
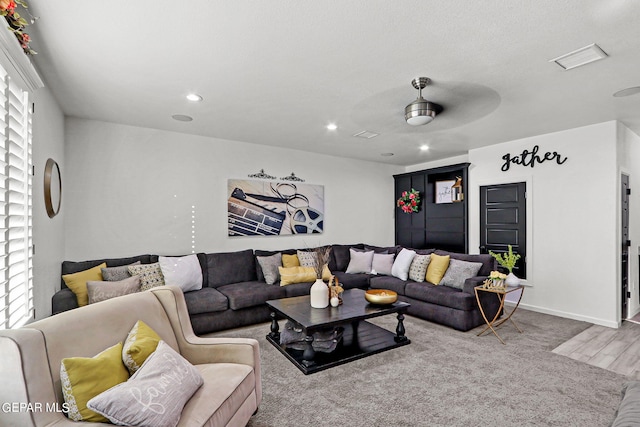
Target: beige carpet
(444, 378)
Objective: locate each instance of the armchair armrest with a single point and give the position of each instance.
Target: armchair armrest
(63, 300)
(472, 282)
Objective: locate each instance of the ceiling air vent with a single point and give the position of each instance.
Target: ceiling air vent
(579, 57)
(366, 134)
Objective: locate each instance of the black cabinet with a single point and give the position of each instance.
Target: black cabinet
(435, 225)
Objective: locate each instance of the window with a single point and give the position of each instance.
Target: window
(16, 265)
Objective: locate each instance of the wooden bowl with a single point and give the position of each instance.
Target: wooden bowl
(381, 296)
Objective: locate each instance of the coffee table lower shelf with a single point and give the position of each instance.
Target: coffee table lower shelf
(370, 339)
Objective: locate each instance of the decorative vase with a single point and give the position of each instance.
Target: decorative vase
(498, 283)
(512, 280)
(319, 294)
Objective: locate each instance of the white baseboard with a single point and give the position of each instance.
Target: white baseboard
(595, 321)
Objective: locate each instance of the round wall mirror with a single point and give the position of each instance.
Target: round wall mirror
(52, 188)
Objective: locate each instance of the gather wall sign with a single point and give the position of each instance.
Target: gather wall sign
(531, 158)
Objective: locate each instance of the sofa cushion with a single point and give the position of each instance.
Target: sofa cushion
(458, 272)
(488, 262)
(350, 281)
(225, 268)
(441, 295)
(225, 386)
(388, 282)
(150, 275)
(298, 289)
(155, 395)
(339, 257)
(184, 272)
(102, 290)
(261, 253)
(205, 300)
(250, 294)
(383, 249)
(269, 268)
(382, 264)
(402, 264)
(83, 378)
(437, 268)
(628, 413)
(115, 274)
(359, 262)
(77, 282)
(418, 269)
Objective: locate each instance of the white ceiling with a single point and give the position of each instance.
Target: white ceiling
(277, 72)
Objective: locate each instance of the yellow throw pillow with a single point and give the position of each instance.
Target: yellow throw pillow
(77, 282)
(291, 275)
(83, 378)
(140, 343)
(437, 267)
(290, 261)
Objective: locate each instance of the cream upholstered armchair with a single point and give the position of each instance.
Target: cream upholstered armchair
(30, 357)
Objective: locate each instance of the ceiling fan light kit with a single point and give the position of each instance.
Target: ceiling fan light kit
(421, 111)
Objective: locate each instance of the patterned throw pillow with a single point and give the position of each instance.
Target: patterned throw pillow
(308, 259)
(115, 274)
(77, 282)
(140, 343)
(269, 266)
(100, 291)
(155, 395)
(83, 378)
(418, 269)
(150, 275)
(458, 272)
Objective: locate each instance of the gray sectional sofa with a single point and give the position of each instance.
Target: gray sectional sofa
(234, 290)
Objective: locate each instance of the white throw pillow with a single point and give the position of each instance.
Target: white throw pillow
(155, 395)
(402, 264)
(360, 262)
(184, 272)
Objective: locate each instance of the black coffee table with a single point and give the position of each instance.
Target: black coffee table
(360, 338)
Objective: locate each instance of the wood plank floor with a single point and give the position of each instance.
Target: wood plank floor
(616, 350)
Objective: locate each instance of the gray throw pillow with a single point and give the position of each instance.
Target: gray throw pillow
(115, 274)
(155, 395)
(382, 263)
(100, 291)
(269, 266)
(360, 262)
(458, 272)
(418, 268)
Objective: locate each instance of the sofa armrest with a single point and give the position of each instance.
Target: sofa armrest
(472, 282)
(63, 300)
(199, 350)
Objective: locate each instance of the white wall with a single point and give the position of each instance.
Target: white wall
(48, 233)
(571, 219)
(130, 191)
(629, 164)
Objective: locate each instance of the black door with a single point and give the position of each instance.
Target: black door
(625, 245)
(503, 221)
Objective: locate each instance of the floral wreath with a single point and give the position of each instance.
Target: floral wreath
(409, 201)
(17, 23)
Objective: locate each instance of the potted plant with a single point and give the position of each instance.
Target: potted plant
(508, 261)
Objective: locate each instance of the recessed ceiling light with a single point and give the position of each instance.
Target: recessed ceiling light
(627, 92)
(194, 97)
(424, 148)
(386, 154)
(582, 56)
(332, 126)
(182, 118)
